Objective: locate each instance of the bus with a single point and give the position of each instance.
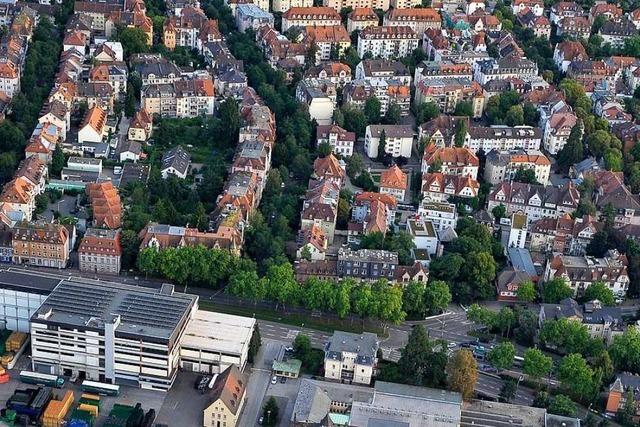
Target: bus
(41, 379)
(100, 388)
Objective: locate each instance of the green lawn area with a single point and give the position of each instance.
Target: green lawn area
(318, 323)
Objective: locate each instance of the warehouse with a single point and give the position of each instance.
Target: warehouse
(111, 333)
(215, 341)
(21, 294)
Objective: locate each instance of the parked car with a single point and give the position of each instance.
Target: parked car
(283, 380)
(451, 345)
(274, 380)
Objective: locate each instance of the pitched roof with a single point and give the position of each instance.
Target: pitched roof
(328, 34)
(393, 178)
(328, 168)
(369, 196)
(105, 203)
(96, 117)
(450, 155)
(229, 388)
(101, 242)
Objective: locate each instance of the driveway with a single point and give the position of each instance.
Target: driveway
(259, 380)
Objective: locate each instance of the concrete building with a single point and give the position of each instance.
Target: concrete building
(350, 357)
(503, 165)
(213, 342)
(518, 230)
(367, 264)
(424, 235)
(339, 139)
(394, 182)
(419, 19)
(284, 5)
(84, 164)
(21, 294)
(361, 18)
(443, 216)
(387, 42)
(398, 140)
(175, 162)
(251, 16)
(557, 131)
(338, 5)
(310, 17)
(100, 251)
(226, 399)
(500, 137)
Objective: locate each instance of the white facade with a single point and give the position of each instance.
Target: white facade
(284, 5)
(387, 42)
(518, 231)
(501, 138)
(441, 215)
(395, 145)
(17, 308)
(424, 235)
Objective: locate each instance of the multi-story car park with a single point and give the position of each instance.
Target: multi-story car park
(119, 333)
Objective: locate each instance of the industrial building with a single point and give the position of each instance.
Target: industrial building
(119, 333)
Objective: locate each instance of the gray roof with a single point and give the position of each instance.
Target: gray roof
(551, 420)
(158, 67)
(147, 313)
(312, 403)
(415, 392)
(521, 260)
(178, 158)
(134, 172)
(36, 283)
(391, 131)
(365, 345)
(566, 308)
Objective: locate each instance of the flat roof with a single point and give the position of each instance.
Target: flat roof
(291, 365)
(218, 332)
(143, 312)
(496, 414)
(29, 282)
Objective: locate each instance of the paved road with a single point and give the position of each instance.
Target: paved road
(260, 376)
(287, 333)
(490, 386)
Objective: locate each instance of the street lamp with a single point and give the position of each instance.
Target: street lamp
(520, 378)
(268, 416)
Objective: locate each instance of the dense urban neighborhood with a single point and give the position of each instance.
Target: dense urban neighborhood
(372, 213)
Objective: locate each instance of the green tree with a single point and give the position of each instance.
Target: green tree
(575, 375)
(134, 40)
(57, 161)
(254, 344)
(374, 240)
(499, 211)
(419, 364)
(528, 176)
(556, 290)
(526, 291)
(324, 149)
(301, 346)
(461, 132)
(464, 108)
(525, 332)
(536, 364)
(372, 107)
(130, 244)
(343, 298)
(281, 284)
(270, 412)
(508, 390)
(480, 269)
(462, 373)
(600, 291)
(625, 351)
(401, 243)
(505, 320)
(515, 116)
(562, 405)
(413, 299)
(573, 150)
(502, 355)
(382, 145)
(482, 316)
(427, 111)
(437, 296)
(393, 114)
(230, 117)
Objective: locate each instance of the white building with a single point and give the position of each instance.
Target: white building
(339, 139)
(501, 138)
(310, 17)
(518, 231)
(93, 127)
(351, 358)
(21, 294)
(398, 140)
(284, 5)
(320, 97)
(85, 164)
(443, 216)
(557, 131)
(251, 16)
(424, 235)
(387, 42)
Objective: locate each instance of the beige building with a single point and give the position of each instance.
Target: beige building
(226, 399)
(338, 5)
(361, 18)
(503, 165)
(284, 5)
(100, 251)
(310, 17)
(405, 4)
(394, 182)
(351, 357)
(41, 244)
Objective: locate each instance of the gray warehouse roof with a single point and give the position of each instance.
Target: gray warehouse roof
(143, 312)
(365, 345)
(37, 283)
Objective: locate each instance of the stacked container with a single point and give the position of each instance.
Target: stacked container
(15, 341)
(80, 418)
(57, 410)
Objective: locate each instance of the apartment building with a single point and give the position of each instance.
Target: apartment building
(518, 231)
(338, 5)
(503, 165)
(361, 18)
(105, 204)
(320, 207)
(578, 27)
(94, 126)
(557, 131)
(181, 99)
(367, 264)
(161, 236)
(100, 251)
(564, 234)
(581, 272)
(443, 216)
(320, 97)
(227, 398)
(504, 68)
(154, 69)
(282, 6)
(537, 201)
(405, 4)
(18, 196)
(447, 93)
(388, 92)
(387, 42)
(438, 70)
(439, 187)
(114, 74)
(501, 138)
(397, 140)
(251, 16)
(330, 40)
(339, 139)
(336, 72)
(451, 161)
(394, 182)
(310, 17)
(379, 71)
(419, 20)
(190, 28)
(351, 358)
(41, 244)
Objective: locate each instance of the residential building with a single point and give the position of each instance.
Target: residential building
(226, 398)
(35, 172)
(330, 41)
(367, 264)
(336, 72)
(508, 283)
(282, 6)
(404, 4)
(340, 140)
(565, 9)
(162, 236)
(418, 20)
(361, 18)
(616, 33)
(242, 191)
(312, 244)
(328, 168)
(176, 162)
(251, 16)
(557, 131)
(536, 6)
(540, 25)
(320, 97)
(320, 207)
(370, 213)
(56, 113)
(105, 204)
(397, 140)
(581, 272)
(93, 127)
(578, 27)
(387, 42)
(626, 384)
(443, 216)
(100, 251)
(388, 91)
(568, 51)
(501, 138)
(114, 74)
(536, 201)
(518, 231)
(379, 71)
(40, 244)
(180, 99)
(503, 165)
(85, 164)
(350, 357)
(394, 182)
(154, 69)
(310, 17)
(190, 28)
(504, 68)
(439, 187)
(424, 235)
(95, 94)
(451, 161)
(141, 126)
(439, 70)
(610, 190)
(19, 197)
(338, 5)
(447, 93)
(611, 12)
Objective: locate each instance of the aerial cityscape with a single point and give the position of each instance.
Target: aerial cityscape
(369, 213)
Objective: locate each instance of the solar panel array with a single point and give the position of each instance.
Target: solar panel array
(81, 300)
(151, 310)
